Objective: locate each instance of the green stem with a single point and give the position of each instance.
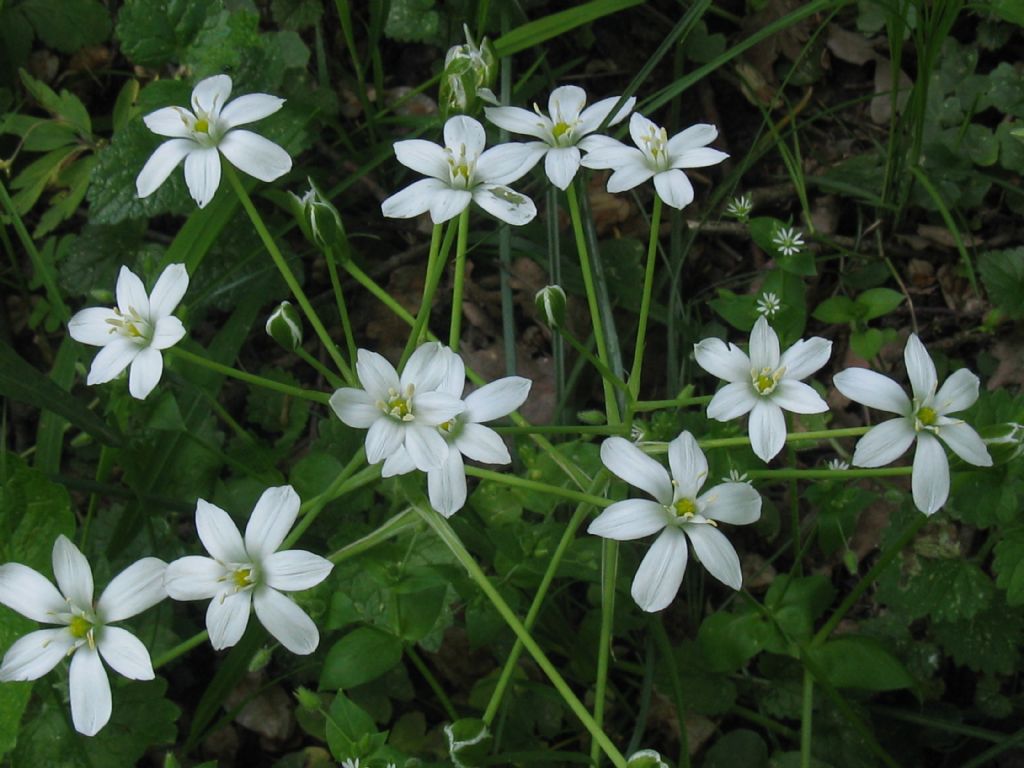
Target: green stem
(826, 474)
(607, 375)
(534, 485)
(309, 510)
(285, 270)
(609, 573)
(249, 378)
(339, 298)
(379, 293)
(459, 282)
(435, 266)
(435, 686)
(806, 720)
(452, 541)
(645, 301)
(332, 378)
(180, 649)
(791, 437)
(390, 527)
(661, 640)
(656, 405)
(564, 429)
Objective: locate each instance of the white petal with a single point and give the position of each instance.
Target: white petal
(566, 103)
(131, 293)
(413, 200)
(605, 152)
(629, 463)
(797, 397)
(481, 443)
(433, 408)
(695, 136)
(454, 379)
(210, 95)
(138, 587)
(426, 368)
(249, 109)
(640, 128)
(629, 519)
(960, 391)
(170, 121)
(732, 401)
(271, 519)
(424, 157)
(930, 479)
(805, 357)
(519, 120)
(219, 533)
(125, 653)
(227, 616)
(28, 592)
(920, 369)
(631, 172)
(726, 361)
(194, 578)
(168, 332)
(295, 570)
(701, 157)
(383, 438)
(426, 447)
(355, 407)
(461, 131)
(496, 399)
(202, 174)
(734, 503)
(446, 485)
(251, 153)
(884, 443)
(688, 464)
(767, 429)
(447, 203)
(92, 326)
(90, 692)
(376, 374)
(168, 291)
(674, 188)
(288, 623)
(592, 117)
(112, 360)
(506, 163)
(965, 443)
(561, 165)
(505, 204)
(147, 368)
(161, 163)
(398, 463)
(661, 571)
(873, 390)
(72, 572)
(32, 656)
(716, 554)
(764, 346)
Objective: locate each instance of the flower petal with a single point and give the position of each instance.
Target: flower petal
(674, 188)
(767, 429)
(194, 578)
(732, 401)
(930, 479)
(125, 653)
(734, 503)
(688, 464)
(72, 572)
(566, 103)
(161, 164)
(873, 390)
(424, 157)
(716, 554)
(131, 293)
(631, 172)
(519, 120)
(32, 656)
(249, 109)
(629, 519)
(146, 370)
(31, 594)
(605, 152)
(138, 587)
(433, 408)
(272, 518)
(210, 95)
(170, 121)
(661, 571)
(701, 157)
(694, 137)
(398, 463)
(168, 332)
(592, 117)
(219, 533)
(413, 200)
(376, 374)
(288, 623)
(383, 438)
(202, 174)
(965, 442)
(90, 691)
(506, 163)
(259, 157)
(426, 447)
(797, 397)
(168, 291)
(447, 203)
(764, 346)
(920, 369)
(461, 131)
(92, 326)
(884, 443)
(805, 357)
(721, 359)
(112, 360)
(294, 570)
(640, 128)
(959, 391)
(446, 485)
(629, 463)
(496, 399)
(483, 444)
(227, 616)
(355, 407)
(426, 368)
(505, 204)
(561, 165)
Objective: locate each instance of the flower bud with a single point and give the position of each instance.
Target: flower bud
(285, 326)
(550, 301)
(646, 758)
(1005, 442)
(319, 219)
(469, 742)
(469, 72)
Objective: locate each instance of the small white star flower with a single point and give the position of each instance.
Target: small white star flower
(658, 157)
(678, 513)
(924, 419)
(462, 172)
(764, 383)
(251, 573)
(837, 465)
(735, 476)
(740, 207)
(564, 131)
(768, 304)
(210, 129)
(788, 240)
(84, 630)
(135, 331)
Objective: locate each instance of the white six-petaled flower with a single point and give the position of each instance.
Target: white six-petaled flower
(400, 412)
(678, 512)
(135, 331)
(788, 240)
(461, 172)
(657, 156)
(83, 630)
(764, 384)
(200, 135)
(251, 573)
(924, 418)
(564, 131)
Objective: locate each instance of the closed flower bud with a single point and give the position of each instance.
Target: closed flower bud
(319, 219)
(550, 301)
(469, 742)
(285, 326)
(469, 73)
(646, 758)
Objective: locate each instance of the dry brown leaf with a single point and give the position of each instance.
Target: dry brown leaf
(848, 46)
(881, 102)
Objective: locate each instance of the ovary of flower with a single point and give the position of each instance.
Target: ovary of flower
(84, 630)
(656, 156)
(678, 513)
(251, 573)
(564, 131)
(764, 383)
(462, 172)
(135, 331)
(788, 240)
(924, 418)
(201, 135)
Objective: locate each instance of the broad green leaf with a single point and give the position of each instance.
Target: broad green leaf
(867, 343)
(988, 642)
(362, 655)
(878, 302)
(351, 733)
(66, 106)
(13, 696)
(944, 589)
(535, 32)
(836, 309)
(156, 32)
(68, 25)
(861, 662)
(1002, 272)
(1009, 565)
(739, 747)
(36, 176)
(297, 14)
(729, 640)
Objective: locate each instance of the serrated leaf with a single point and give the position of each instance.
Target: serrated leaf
(156, 32)
(945, 589)
(68, 25)
(989, 642)
(1009, 565)
(1002, 272)
(66, 106)
(33, 513)
(412, 21)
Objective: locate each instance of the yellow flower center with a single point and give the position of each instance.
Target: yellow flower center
(202, 125)
(766, 380)
(399, 404)
(242, 578)
(79, 627)
(656, 141)
(685, 508)
(925, 417)
(131, 325)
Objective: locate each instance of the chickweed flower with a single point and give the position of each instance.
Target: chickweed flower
(461, 172)
(740, 207)
(135, 331)
(656, 156)
(764, 383)
(923, 418)
(564, 131)
(251, 574)
(788, 240)
(768, 305)
(210, 129)
(837, 465)
(678, 513)
(84, 630)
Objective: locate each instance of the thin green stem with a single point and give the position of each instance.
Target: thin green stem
(609, 574)
(180, 649)
(606, 373)
(806, 720)
(645, 301)
(435, 686)
(249, 378)
(330, 256)
(332, 378)
(791, 437)
(535, 485)
(668, 658)
(459, 281)
(827, 474)
(641, 406)
(309, 510)
(564, 429)
(389, 528)
(435, 266)
(379, 293)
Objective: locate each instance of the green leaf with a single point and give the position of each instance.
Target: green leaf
(729, 640)
(1009, 10)
(795, 603)
(362, 655)
(739, 747)
(988, 642)
(861, 662)
(412, 21)
(156, 32)
(296, 14)
(535, 32)
(13, 696)
(348, 725)
(877, 302)
(946, 589)
(867, 343)
(1009, 565)
(1002, 272)
(66, 106)
(739, 311)
(68, 25)
(36, 176)
(836, 309)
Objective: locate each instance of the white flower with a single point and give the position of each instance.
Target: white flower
(461, 172)
(565, 132)
(135, 331)
(251, 573)
(735, 476)
(400, 412)
(788, 240)
(658, 156)
(768, 304)
(924, 418)
(740, 207)
(837, 465)
(764, 384)
(678, 513)
(83, 630)
(200, 135)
